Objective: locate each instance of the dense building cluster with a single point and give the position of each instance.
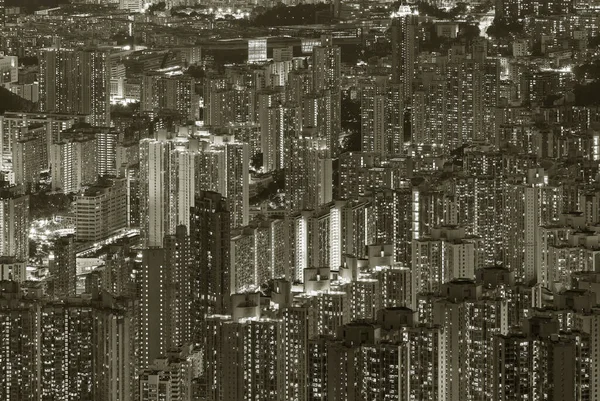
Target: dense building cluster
(402, 203)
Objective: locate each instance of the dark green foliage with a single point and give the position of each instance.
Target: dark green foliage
(81, 125)
(28, 60)
(432, 42)
(351, 124)
(271, 190)
(195, 71)
(120, 110)
(433, 11)
(11, 102)
(503, 28)
(257, 161)
(587, 71)
(157, 7)
(122, 38)
(536, 49)
(300, 14)
(588, 95)
(468, 31)
(44, 205)
(550, 99)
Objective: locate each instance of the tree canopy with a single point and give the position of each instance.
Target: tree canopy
(504, 28)
(196, 71)
(157, 7)
(45, 205)
(439, 13)
(351, 124)
(300, 14)
(587, 95)
(587, 71)
(11, 102)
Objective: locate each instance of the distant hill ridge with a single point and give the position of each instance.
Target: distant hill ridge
(34, 4)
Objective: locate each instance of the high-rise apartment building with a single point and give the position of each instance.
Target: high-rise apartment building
(447, 255)
(63, 267)
(387, 357)
(168, 378)
(17, 126)
(333, 310)
(361, 356)
(373, 115)
(299, 325)
(157, 217)
(30, 157)
(426, 344)
(221, 165)
(174, 170)
(14, 223)
(513, 378)
(20, 333)
(107, 141)
(85, 351)
(154, 308)
(2, 13)
(589, 322)
(351, 164)
(76, 82)
(528, 205)
(73, 161)
(365, 298)
(562, 255)
(309, 230)
(272, 127)
(443, 105)
(12, 269)
(231, 99)
(169, 289)
(327, 84)
(210, 238)
(241, 344)
(396, 285)
(309, 173)
(118, 274)
(181, 287)
(170, 94)
(392, 219)
(234, 178)
(382, 116)
(542, 363)
(461, 315)
(101, 210)
(405, 48)
(9, 65)
(68, 350)
(322, 237)
(258, 254)
(453, 98)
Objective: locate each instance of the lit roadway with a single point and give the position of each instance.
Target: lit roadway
(90, 248)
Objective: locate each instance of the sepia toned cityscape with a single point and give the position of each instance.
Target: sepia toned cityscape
(256, 200)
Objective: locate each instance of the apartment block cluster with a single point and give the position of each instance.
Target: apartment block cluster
(236, 232)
